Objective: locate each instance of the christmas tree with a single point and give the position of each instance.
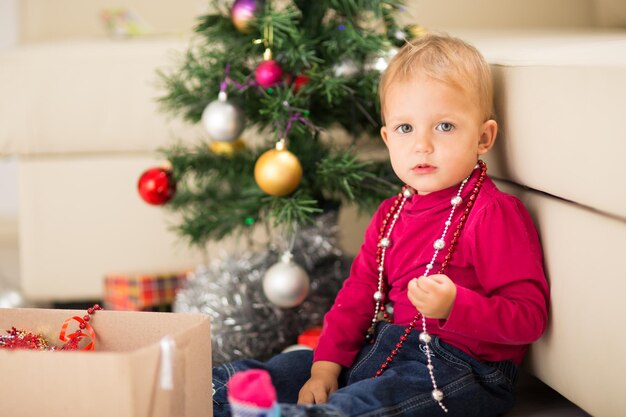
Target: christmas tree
(295, 71)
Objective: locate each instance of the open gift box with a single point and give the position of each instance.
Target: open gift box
(144, 364)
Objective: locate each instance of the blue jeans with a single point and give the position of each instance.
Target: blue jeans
(471, 387)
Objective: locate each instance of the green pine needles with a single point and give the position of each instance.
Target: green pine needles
(333, 44)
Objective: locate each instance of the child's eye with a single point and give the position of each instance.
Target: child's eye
(444, 127)
(404, 128)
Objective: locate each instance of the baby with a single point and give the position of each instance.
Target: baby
(448, 289)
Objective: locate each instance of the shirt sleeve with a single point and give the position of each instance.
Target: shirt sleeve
(346, 324)
(510, 305)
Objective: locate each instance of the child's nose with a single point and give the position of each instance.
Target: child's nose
(422, 143)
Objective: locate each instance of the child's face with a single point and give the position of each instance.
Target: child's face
(434, 133)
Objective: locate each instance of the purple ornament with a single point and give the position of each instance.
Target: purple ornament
(268, 73)
(243, 12)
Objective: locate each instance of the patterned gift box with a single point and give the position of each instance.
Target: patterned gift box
(143, 292)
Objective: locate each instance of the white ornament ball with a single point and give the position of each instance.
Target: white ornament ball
(296, 347)
(380, 62)
(286, 284)
(223, 120)
(346, 68)
(11, 299)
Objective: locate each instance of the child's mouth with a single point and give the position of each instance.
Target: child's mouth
(423, 169)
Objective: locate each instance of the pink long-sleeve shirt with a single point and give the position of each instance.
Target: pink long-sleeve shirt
(502, 297)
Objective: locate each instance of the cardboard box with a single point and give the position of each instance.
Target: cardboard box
(128, 374)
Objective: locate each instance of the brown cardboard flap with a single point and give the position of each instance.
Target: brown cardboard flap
(120, 378)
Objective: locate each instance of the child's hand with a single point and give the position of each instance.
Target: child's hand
(433, 296)
(322, 383)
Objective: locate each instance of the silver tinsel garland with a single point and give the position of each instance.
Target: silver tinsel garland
(244, 323)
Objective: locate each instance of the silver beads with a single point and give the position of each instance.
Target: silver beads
(437, 394)
(378, 296)
(384, 242)
(439, 244)
(456, 200)
(408, 192)
(425, 337)
(389, 308)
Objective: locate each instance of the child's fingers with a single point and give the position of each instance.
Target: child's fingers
(440, 279)
(417, 295)
(306, 397)
(321, 396)
(427, 284)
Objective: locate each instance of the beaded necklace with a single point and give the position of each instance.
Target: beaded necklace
(380, 310)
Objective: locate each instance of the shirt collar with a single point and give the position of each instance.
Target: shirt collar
(442, 197)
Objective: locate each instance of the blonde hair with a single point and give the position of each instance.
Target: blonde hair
(446, 59)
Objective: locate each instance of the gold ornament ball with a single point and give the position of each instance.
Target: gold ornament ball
(227, 148)
(417, 31)
(278, 172)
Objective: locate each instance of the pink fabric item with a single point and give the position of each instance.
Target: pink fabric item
(502, 294)
(252, 388)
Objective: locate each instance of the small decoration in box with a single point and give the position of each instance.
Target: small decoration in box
(144, 292)
(22, 339)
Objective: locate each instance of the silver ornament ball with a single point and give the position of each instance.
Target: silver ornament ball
(286, 284)
(346, 68)
(223, 120)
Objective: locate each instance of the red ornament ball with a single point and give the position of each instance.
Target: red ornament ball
(299, 82)
(156, 186)
(268, 73)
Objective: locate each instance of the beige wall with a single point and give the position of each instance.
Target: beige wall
(611, 13)
(60, 19)
(9, 12)
(503, 14)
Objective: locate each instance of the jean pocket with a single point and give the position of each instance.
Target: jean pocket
(489, 372)
(449, 355)
(372, 355)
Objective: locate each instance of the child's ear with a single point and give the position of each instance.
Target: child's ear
(383, 133)
(488, 136)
